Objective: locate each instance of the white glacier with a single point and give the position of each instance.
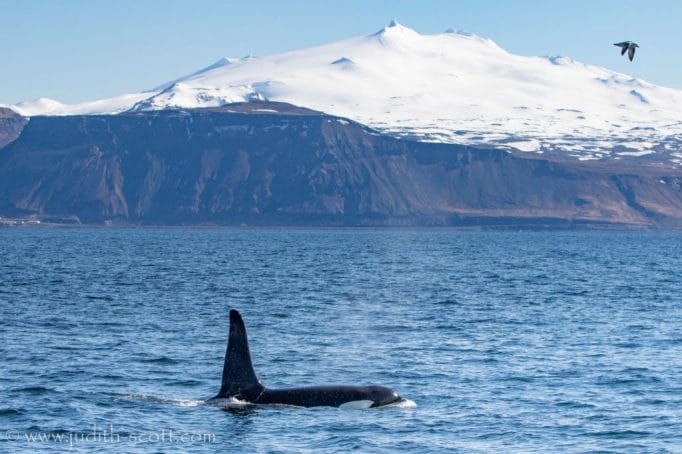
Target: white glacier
(451, 87)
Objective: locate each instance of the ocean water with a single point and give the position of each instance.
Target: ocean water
(504, 341)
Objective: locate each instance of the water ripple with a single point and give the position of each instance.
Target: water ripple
(506, 341)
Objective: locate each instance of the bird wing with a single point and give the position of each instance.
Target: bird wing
(623, 46)
(631, 53)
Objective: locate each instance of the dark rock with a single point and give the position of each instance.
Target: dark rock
(243, 164)
(11, 125)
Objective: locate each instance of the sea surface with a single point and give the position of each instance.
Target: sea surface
(503, 341)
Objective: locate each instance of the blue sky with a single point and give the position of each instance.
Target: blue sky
(77, 50)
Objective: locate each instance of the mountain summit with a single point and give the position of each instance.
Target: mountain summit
(452, 87)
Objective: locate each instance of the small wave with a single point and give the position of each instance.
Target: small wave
(405, 403)
(620, 434)
(651, 402)
(159, 360)
(111, 377)
(231, 402)
(66, 347)
(393, 328)
(99, 297)
(36, 390)
(10, 412)
(100, 323)
(447, 302)
(185, 402)
(628, 344)
(165, 400)
(518, 379)
(577, 405)
(186, 383)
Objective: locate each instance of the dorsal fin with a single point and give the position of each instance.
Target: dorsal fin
(239, 378)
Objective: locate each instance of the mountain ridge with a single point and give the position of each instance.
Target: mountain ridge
(264, 163)
(449, 87)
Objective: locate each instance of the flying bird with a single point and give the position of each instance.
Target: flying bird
(628, 46)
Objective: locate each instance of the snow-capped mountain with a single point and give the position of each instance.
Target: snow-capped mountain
(451, 87)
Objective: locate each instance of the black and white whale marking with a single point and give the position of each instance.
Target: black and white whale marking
(240, 382)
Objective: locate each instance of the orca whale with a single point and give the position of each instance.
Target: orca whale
(240, 382)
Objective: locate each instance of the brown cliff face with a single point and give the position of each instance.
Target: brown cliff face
(241, 164)
(11, 125)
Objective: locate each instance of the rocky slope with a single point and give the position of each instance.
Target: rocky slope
(275, 164)
(11, 125)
